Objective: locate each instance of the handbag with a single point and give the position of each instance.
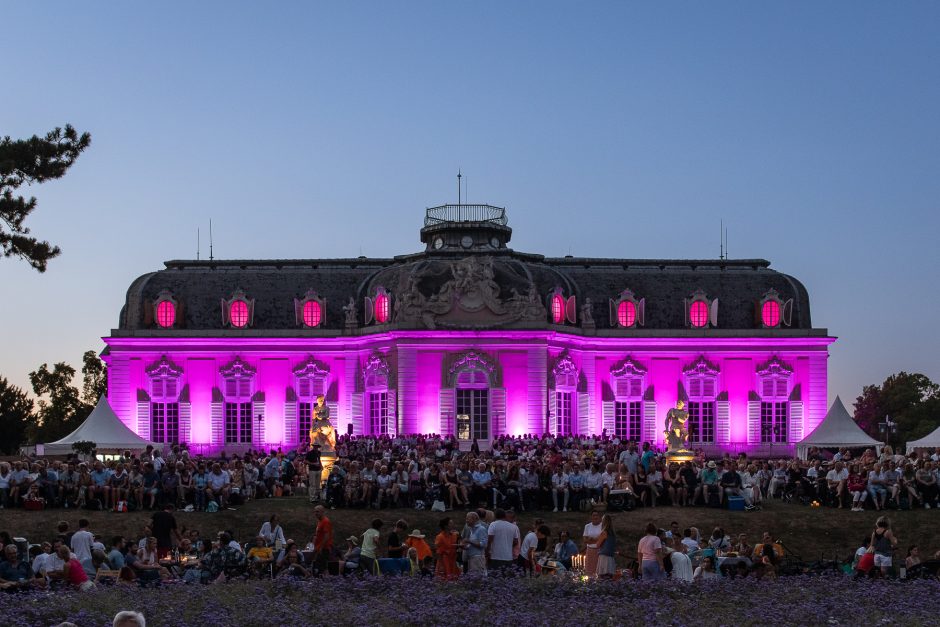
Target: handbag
(438, 506)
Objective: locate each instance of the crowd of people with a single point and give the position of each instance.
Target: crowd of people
(480, 542)
(521, 473)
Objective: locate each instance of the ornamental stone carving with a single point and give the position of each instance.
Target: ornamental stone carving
(469, 296)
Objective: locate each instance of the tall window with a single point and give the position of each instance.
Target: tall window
(563, 412)
(628, 416)
(378, 413)
(473, 420)
(773, 422)
(702, 422)
(164, 402)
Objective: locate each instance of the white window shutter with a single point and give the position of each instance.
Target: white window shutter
(609, 423)
(552, 411)
(753, 421)
(392, 412)
(787, 314)
(368, 309)
(641, 313)
(498, 407)
(713, 313)
(571, 309)
(448, 399)
(357, 414)
(612, 312)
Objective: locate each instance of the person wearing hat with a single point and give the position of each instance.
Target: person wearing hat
(350, 561)
(709, 480)
(415, 540)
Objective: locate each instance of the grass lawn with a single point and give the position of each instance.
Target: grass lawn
(810, 533)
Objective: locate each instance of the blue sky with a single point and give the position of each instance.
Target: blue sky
(606, 128)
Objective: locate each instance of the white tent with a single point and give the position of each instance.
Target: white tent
(931, 440)
(837, 430)
(102, 427)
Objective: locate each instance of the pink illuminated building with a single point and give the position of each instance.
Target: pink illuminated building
(468, 338)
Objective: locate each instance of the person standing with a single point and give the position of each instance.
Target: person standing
(592, 531)
(314, 472)
(368, 556)
(445, 544)
(322, 539)
(502, 538)
(164, 530)
(883, 543)
(650, 555)
(607, 547)
(82, 541)
(474, 545)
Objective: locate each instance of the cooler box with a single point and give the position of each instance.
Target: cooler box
(736, 503)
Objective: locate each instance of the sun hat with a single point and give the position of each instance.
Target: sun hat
(416, 534)
(712, 464)
(353, 539)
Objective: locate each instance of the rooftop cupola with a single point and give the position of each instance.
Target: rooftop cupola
(465, 228)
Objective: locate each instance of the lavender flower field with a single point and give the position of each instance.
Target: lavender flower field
(834, 600)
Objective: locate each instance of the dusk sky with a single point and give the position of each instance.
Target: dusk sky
(607, 129)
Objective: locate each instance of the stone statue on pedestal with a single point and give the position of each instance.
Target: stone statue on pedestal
(677, 432)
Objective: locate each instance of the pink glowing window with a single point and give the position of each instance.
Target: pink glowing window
(698, 314)
(312, 313)
(770, 313)
(381, 308)
(626, 313)
(238, 314)
(558, 309)
(166, 314)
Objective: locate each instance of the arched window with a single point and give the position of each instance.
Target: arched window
(309, 311)
(312, 378)
(238, 311)
(471, 375)
(378, 307)
(700, 312)
(164, 401)
(774, 389)
(627, 383)
(626, 311)
(773, 312)
(561, 309)
(702, 387)
(238, 387)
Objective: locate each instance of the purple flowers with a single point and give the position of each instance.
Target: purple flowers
(834, 600)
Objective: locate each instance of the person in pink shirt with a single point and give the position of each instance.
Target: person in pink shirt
(72, 571)
(650, 555)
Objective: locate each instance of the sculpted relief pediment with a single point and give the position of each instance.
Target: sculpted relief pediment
(466, 293)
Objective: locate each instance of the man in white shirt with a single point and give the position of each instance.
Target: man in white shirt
(560, 486)
(82, 541)
(836, 479)
(502, 537)
(608, 478)
(219, 481)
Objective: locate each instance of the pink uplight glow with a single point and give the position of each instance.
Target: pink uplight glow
(238, 314)
(381, 308)
(558, 309)
(166, 314)
(770, 313)
(312, 313)
(698, 314)
(626, 313)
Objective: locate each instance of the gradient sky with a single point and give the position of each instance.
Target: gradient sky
(606, 128)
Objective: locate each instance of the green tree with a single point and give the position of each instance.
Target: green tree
(912, 401)
(94, 379)
(59, 402)
(33, 160)
(16, 410)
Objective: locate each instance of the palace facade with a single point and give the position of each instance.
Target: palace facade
(470, 338)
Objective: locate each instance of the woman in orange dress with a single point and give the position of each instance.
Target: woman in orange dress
(446, 546)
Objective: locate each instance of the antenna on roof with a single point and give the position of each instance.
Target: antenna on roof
(726, 242)
(458, 185)
(197, 243)
(721, 239)
(210, 241)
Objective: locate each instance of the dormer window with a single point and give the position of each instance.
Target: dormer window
(378, 307)
(310, 310)
(701, 312)
(164, 310)
(774, 312)
(561, 309)
(626, 311)
(238, 312)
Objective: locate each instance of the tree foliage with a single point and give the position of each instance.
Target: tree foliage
(55, 417)
(16, 410)
(912, 401)
(94, 378)
(29, 161)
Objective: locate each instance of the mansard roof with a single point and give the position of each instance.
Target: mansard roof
(480, 284)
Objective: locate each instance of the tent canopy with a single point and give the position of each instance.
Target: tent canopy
(102, 427)
(837, 429)
(931, 440)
